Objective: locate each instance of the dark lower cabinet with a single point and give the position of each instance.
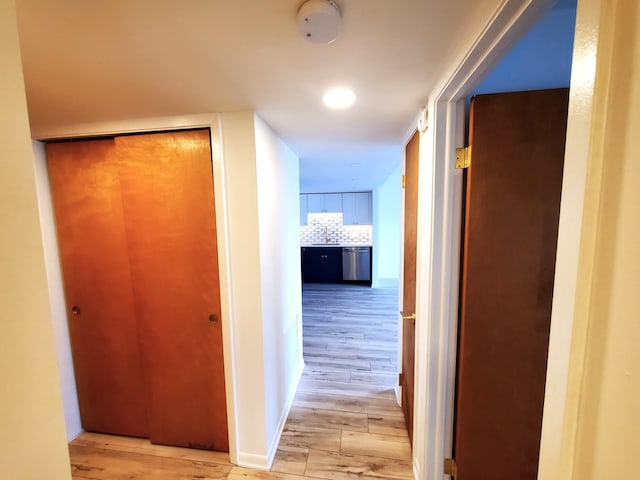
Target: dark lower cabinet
(321, 264)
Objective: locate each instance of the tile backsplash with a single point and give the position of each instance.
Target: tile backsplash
(313, 232)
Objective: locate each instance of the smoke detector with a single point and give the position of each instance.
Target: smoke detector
(319, 21)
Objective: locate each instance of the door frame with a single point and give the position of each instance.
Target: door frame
(439, 233)
(149, 125)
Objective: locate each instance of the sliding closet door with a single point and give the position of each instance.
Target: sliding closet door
(167, 190)
(95, 264)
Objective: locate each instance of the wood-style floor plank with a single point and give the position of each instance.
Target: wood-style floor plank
(323, 372)
(333, 466)
(145, 447)
(376, 445)
(290, 460)
(305, 436)
(387, 425)
(240, 473)
(373, 378)
(344, 403)
(102, 464)
(308, 384)
(313, 417)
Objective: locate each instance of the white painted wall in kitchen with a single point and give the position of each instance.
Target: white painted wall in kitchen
(387, 211)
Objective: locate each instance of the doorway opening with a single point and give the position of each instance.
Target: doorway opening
(540, 61)
(345, 416)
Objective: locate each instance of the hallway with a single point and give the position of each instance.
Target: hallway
(345, 421)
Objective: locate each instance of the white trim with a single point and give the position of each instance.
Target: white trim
(213, 122)
(423, 297)
(226, 294)
(397, 391)
(439, 232)
(116, 127)
(398, 388)
(253, 461)
(275, 441)
(452, 236)
(511, 21)
(579, 211)
(411, 130)
(57, 303)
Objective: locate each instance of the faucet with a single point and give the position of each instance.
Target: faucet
(325, 232)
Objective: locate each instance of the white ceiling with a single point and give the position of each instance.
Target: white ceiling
(91, 61)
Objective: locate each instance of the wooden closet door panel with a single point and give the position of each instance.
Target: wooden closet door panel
(167, 186)
(95, 264)
(510, 234)
(412, 159)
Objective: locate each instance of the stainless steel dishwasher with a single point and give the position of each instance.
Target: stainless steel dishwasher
(356, 263)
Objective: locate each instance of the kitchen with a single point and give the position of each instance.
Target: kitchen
(336, 237)
(337, 212)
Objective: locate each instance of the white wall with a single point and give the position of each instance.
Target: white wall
(32, 438)
(278, 211)
(540, 60)
(56, 295)
(387, 200)
(239, 153)
(591, 426)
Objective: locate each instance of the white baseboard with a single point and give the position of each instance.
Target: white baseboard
(416, 469)
(255, 462)
(398, 391)
(275, 441)
(387, 283)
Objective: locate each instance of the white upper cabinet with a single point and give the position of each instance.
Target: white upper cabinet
(303, 209)
(315, 202)
(324, 202)
(333, 202)
(356, 208)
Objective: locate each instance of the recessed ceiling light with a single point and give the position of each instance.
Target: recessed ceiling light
(339, 98)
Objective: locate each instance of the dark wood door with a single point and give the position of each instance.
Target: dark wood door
(85, 187)
(168, 198)
(510, 236)
(412, 154)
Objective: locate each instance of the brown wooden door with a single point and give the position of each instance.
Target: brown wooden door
(102, 320)
(510, 236)
(168, 198)
(412, 154)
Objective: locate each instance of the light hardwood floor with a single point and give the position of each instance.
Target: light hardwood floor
(344, 423)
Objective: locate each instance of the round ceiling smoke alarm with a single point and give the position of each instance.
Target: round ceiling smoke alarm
(319, 21)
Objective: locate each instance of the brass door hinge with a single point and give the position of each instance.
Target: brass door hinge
(400, 379)
(463, 157)
(450, 467)
(404, 181)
